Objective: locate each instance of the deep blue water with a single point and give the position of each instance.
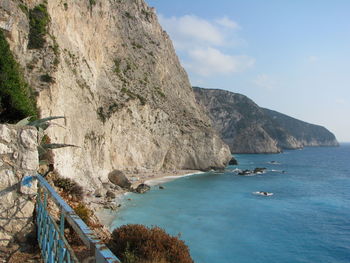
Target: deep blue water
(306, 220)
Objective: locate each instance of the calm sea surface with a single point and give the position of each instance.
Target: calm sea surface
(306, 220)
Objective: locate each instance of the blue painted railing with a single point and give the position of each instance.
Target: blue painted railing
(52, 242)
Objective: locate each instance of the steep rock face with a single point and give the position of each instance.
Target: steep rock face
(247, 128)
(307, 134)
(112, 71)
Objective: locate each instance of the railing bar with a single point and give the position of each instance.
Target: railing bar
(61, 251)
(62, 223)
(102, 254)
(63, 238)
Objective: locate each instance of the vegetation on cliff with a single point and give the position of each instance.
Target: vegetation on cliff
(140, 244)
(38, 20)
(16, 99)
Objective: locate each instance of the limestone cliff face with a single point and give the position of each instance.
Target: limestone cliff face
(247, 128)
(112, 71)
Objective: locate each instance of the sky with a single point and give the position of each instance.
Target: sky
(292, 56)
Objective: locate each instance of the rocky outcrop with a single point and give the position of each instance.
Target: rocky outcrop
(247, 128)
(110, 68)
(142, 188)
(18, 164)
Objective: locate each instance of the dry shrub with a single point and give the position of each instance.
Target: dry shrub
(69, 186)
(140, 244)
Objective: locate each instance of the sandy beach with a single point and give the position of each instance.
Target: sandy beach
(105, 210)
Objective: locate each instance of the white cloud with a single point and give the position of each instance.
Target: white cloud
(211, 61)
(265, 81)
(227, 22)
(189, 30)
(202, 43)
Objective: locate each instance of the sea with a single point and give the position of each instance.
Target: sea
(223, 220)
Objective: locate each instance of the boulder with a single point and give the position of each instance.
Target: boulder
(233, 161)
(117, 177)
(142, 188)
(100, 192)
(110, 194)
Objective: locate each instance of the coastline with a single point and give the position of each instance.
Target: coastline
(106, 211)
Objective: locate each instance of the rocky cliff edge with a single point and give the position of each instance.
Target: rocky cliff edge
(112, 71)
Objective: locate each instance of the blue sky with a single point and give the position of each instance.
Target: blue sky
(292, 56)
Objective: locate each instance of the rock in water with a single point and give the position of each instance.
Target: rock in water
(117, 177)
(233, 161)
(259, 170)
(142, 188)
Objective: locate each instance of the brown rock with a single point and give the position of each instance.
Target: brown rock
(117, 177)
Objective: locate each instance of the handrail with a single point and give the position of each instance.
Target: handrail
(52, 236)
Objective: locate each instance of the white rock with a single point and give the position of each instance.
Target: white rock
(29, 138)
(30, 160)
(4, 149)
(6, 134)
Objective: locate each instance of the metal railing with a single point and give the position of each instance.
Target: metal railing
(52, 242)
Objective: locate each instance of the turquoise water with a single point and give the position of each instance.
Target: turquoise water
(306, 220)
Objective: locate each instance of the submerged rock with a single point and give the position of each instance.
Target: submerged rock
(245, 172)
(259, 170)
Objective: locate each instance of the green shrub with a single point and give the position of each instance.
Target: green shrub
(16, 100)
(117, 63)
(128, 15)
(47, 78)
(83, 212)
(140, 244)
(38, 21)
(24, 9)
(101, 114)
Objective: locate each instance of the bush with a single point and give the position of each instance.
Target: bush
(38, 20)
(138, 243)
(69, 186)
(83, 212)
(47, 78)
(16, 100)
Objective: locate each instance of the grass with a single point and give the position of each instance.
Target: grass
(38, 21)
(16, 99)
(24, 9)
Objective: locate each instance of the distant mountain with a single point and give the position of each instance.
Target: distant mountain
(248, 128)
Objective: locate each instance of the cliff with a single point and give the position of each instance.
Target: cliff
(247, 128)
(112, 71)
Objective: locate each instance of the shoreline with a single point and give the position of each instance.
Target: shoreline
(107, 215)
